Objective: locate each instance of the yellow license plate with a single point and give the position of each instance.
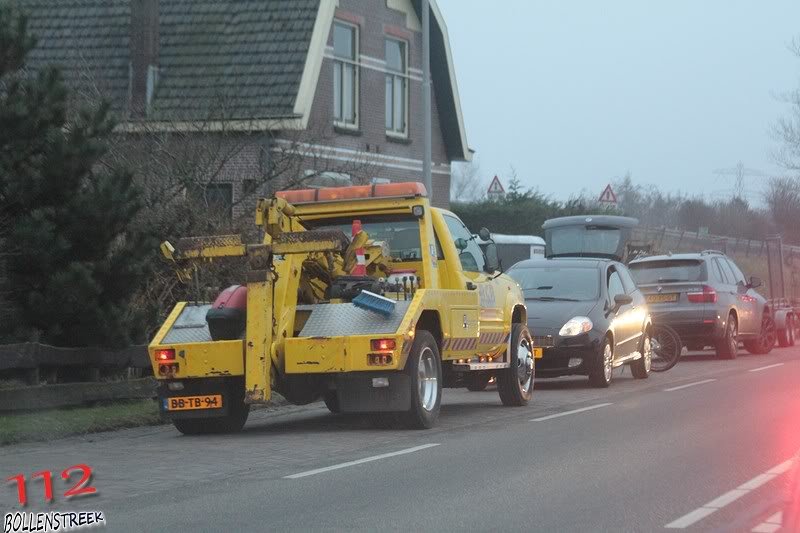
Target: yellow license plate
(538, 353)
(187, 403)
(661, 298)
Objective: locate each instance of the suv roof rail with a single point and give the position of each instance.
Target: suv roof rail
(708, 252)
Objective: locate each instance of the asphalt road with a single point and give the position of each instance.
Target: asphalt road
(702, 447)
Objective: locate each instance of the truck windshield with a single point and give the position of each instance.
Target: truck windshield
(401, 234)
(673, 271)
(579, 283)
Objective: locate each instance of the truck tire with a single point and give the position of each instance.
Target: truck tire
(233, 422)
(728, 345)
(424, 371)
(515, 383)
(766, 337)
(786, 335)
(477, 381)
(331, 400)
(640, 368)
(601, 370)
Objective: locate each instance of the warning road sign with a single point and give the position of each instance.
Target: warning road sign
(608, 195)
(496, 189)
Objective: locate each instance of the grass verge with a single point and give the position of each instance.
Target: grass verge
(58, 423)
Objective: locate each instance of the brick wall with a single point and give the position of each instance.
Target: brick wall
(377, 154)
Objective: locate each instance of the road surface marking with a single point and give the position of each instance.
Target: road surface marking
(565, 413)
(759, 369)
(360, 461)
(770, 525)
(679, 387)
(729, 497)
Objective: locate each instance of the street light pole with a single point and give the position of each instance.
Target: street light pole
(426, 96)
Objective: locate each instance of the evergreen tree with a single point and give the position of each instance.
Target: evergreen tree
(71, 264)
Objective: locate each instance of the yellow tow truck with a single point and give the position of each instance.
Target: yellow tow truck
(366, 297)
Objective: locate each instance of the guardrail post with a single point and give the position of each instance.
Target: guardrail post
(32, 376)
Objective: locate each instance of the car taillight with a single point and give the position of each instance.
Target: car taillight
(165, 355)
(707, 296)
(383, 345)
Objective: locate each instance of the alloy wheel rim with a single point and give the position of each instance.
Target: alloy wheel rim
(607, 362)
(427, 379)
(734, 331)
(524, 365)
(768, 334)
(648, 354)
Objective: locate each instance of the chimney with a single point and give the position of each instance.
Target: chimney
(144, 41)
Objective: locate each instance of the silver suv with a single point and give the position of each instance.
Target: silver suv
(707, 300)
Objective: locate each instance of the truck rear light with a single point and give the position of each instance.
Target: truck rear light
(383, 345)
(168, 370)
(379, 359)
(165, 355)
(707, 296)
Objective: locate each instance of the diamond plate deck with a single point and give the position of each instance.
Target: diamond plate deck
(191, 326)
(336, 320)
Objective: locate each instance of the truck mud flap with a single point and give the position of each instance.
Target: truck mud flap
(371, 392)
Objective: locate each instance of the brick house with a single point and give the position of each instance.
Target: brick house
(335, 85)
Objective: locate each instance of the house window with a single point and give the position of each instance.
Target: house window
(396, 87)
(345, 75)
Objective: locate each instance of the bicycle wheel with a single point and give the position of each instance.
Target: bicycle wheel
(666, 346)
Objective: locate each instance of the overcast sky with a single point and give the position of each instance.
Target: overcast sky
(576, 93)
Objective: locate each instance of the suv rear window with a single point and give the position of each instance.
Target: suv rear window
(668, 271)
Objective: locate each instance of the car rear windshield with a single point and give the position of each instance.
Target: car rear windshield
(668, 271)
(578, 283)
(588, 241)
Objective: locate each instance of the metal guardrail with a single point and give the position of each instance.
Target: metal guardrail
(75, 394)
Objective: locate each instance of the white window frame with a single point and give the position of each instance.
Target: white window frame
(406, 88)
(337, 62)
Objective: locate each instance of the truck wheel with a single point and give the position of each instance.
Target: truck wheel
(477, 381)
(766, 338)
(640, 368)
(424, 370)
(331, 400)
(602, 368)
(515, 383)
(233, 422)
(786, 335)
(728, 345)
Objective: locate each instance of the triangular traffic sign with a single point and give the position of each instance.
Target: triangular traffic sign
(495, 186)
(608, 195)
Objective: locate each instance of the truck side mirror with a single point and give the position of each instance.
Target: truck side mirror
(755, 282)
(485, 234)
(492, 259)
(461, 244)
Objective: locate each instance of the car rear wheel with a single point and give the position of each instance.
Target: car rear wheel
(602, 369)
(515, 383)
(786, 335)
(729, 345)
(766, 338)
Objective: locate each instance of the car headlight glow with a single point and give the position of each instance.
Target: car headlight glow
(575, 326)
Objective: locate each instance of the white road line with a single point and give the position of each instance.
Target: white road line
(770, 525)
(679, 387)
(759, 369)
(565, 413)
(360, 461)
(729, 497)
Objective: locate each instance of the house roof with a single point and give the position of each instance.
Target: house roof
(232, 59)
(247, 60)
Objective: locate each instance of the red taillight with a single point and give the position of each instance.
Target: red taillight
(165, 355)
(707, 296)
(383, 345)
